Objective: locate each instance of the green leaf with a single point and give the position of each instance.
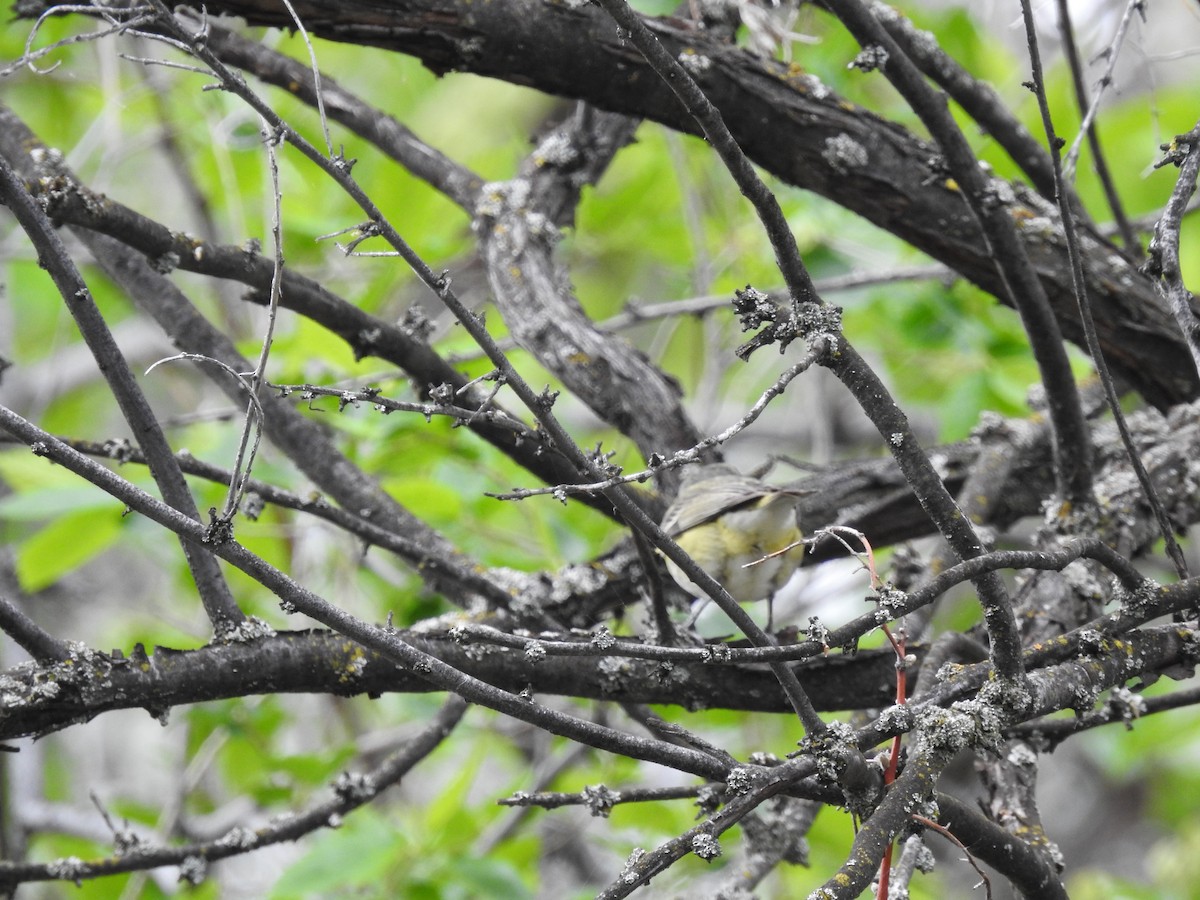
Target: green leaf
(63, 546)
(359, 853)
(468, 878)
(40, 504)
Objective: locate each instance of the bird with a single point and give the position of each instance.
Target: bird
(727, 521)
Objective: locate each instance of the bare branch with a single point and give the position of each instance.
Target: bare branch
(222, 609)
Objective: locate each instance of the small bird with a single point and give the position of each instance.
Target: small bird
(726, 520)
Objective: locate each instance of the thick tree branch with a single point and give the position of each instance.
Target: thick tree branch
(324, 662)
(1019, 861)
(884, 174)
(517, 222)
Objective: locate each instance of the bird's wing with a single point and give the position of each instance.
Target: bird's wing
(703, 500)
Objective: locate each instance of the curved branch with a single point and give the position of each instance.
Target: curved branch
(33, 639)
(1009, 855)
(1023, 290)
(349, 793)
(517, 226)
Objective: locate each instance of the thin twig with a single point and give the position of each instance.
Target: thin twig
(215, 593)
(636, 313)
(1075, 257)
(1112, 52)
(428, 409)
(1183, 152)
(949, 835)
(350, 792)
(30, 56)
(1066, 32)
(316, 74)
(692, 454)
(643, 866)
(247, 450)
